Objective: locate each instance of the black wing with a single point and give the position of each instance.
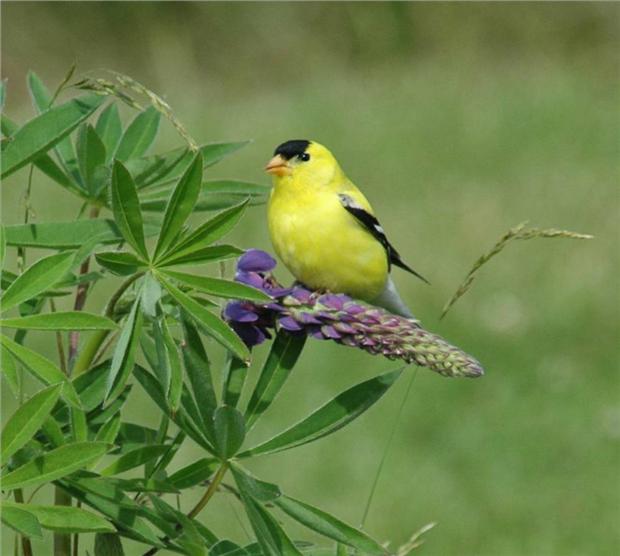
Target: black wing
(372, 225)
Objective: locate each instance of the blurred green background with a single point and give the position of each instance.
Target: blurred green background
(458, 121)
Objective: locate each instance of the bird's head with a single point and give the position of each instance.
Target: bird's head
(304, 162)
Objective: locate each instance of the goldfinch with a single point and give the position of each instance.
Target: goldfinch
(324, 229)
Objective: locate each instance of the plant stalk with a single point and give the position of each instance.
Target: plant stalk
(18, 493)
(62, 541)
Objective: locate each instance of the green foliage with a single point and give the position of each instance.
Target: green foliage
(158, 314)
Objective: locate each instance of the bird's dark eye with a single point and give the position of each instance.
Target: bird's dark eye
(304, 157)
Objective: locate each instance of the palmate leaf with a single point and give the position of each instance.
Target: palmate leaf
(309, 516)
(194, 474)
(235, 373)
(126, 209)
(285, 350)
(64, 519)
(37, 278)
(135, 458)
(139, 135)
(42, 368)
(27, 420)
(42, 99)
(109, 129)
(120, 263)
(211, 323)
(198, 369)
(67, 320)
(175, 386)
(217, 286)
(182, 158)
(201, 256)
(91, 157)
(124, 353)
(108, 544)
(329, 418)
(8, 368)
(43, 132)
(109, 430)
(229, 431)
(210, 231)
(20, 520)
(112, 502)
(179, 206)
(53, 465)
(269, 534)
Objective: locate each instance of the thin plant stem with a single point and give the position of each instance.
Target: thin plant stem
(211, 489)
(388, 445)
(62, 541)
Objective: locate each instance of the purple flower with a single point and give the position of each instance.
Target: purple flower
(338, 317)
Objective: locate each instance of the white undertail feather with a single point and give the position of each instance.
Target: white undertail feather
(390, 299)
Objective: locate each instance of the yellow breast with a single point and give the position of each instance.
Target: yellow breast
(323, 246)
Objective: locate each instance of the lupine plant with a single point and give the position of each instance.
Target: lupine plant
(158, 330)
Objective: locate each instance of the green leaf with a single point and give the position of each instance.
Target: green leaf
(198, 369)
(120, 263)
(20, 520)
(139, 135)
(109, 129)
(235, 373)
(9, 369)
(211, 323)
(2, 246)
(284, 353)
(43, 132)
(42, 368)
(211, 231)
(229, 431)
(329, 418)
(37, 278)
(150, 169)
(271, 537)
(135, 458)
(91, 158)
(108, 544)
(53, 465)
(175, 387)
(65, 519)
(109, 430)
(27, 420)
(117, 506)
(254, 487)
(124, 353)
(126, 209)
(179, 206)
(328, 525)
(42, 100)
(218, 287)
(62, 235)
(194, 473)
(205, 255)
(69, 320)
(151, 294)
(79, 426)
(211, 154)
(2, 93)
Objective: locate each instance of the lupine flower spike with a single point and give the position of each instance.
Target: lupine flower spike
(338, 317)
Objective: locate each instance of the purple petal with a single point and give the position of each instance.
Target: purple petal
(240, 312)
(308, 318)
(289, 323)
(330, 332)
(301, 294)
(251, 279)
(333, 301)
(250, 334)
(255, 260)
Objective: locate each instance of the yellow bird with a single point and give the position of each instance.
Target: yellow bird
(324, 229)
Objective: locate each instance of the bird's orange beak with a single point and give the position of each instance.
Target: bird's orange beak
(278, 166)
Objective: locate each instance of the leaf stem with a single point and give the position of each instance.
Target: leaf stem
(388, 445)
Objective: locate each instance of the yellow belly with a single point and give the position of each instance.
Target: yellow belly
(324, 247)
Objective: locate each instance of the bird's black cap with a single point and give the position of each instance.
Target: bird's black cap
(292, 148)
